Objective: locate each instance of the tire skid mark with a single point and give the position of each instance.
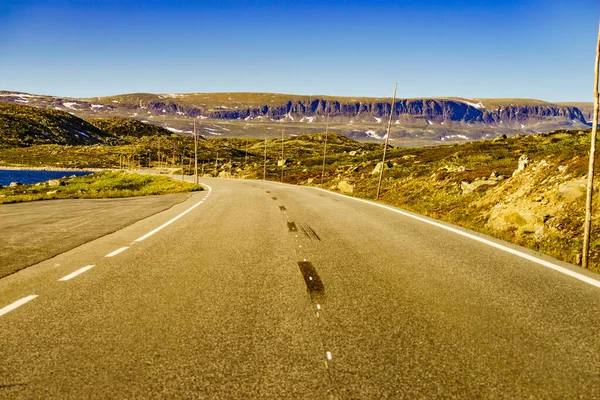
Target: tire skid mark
(316, 291)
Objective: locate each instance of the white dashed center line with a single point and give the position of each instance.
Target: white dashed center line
(78, 272)
(117, 251)
(17, 304)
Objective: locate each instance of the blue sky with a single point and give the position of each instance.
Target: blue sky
(537, 49)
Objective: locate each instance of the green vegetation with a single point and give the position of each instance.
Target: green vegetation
(127, 128)
(99, 185)
(25, 126)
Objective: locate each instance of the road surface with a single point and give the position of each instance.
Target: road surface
(35, 231)
(262, 290)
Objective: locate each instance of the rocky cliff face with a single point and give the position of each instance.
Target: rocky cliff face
(433, 110)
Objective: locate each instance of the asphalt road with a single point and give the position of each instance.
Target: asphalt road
(271, 291)
(35, 231)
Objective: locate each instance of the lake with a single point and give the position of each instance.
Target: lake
(34, 176)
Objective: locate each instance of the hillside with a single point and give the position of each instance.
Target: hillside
(127, 127)
(22, 125)
(426, 121)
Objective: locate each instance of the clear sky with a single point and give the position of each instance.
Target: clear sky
(541, 49)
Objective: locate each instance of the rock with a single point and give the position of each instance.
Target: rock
(53, 182)
(353, 153)
(408, 156)
(52, 192)
(523, 162)
(280, 163)
(377, 168)
(310, 180)
(15, 184)
(345, 187)
(499, 138)
(461, 168)
(471, 187)
(571, 191)
(562, 168)
(224, 174)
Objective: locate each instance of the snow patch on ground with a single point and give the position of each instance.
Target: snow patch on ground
(373, 134)
(476, 105)
(429, 122)
(97, 106)
(201, 117)
(309, 119)
(70, 104)
(177, 130)
(213, 132)
(448, 137)
(115, 101)
(82, 134)
(180, 113)
(17, 95)
(378, 120)
(22, 101)
(522, 126)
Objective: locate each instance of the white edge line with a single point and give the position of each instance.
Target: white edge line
(117, 251)
(78, 272)
(169, 222)
(17, 304)
(498, 246)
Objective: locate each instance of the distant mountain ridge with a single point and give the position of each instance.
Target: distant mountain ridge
(247, 113)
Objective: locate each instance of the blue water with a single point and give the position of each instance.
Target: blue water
(34, 176)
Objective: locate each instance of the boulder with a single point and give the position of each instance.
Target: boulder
(571, 191)
(15, 184)
(471, 187)
(523, 162)
(377, 168)
(345, 187)
(54, 182)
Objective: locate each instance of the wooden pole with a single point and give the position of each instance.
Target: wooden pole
(282, 160)
(265, 161)
(195, 154)
(217, 165)
(325, 149)
(387, 139)
(587, 228)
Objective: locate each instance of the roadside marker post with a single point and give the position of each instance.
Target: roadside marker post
(387, 139)
(587, 227)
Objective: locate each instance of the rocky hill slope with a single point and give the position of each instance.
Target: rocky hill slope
(415, 121)
(24, 126)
